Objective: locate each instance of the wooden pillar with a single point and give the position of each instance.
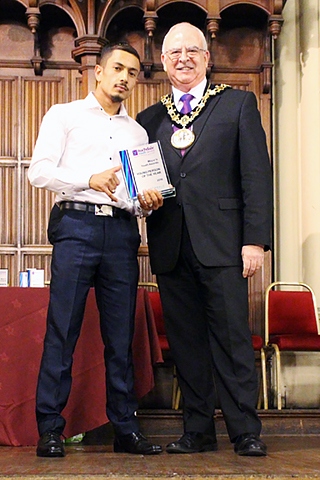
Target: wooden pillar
(87, 51)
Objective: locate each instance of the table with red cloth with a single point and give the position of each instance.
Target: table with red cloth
(22, 330)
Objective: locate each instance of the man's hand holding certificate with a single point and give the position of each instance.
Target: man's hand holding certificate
(144, 169)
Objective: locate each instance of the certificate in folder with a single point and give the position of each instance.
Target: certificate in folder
(144, 168)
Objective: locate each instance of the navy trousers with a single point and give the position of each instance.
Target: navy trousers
(90, 250)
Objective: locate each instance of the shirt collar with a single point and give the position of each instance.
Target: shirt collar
(196, 91)
(92, 102)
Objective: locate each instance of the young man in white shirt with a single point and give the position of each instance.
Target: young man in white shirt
(95, 240)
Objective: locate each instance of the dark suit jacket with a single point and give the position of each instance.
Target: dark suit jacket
(223, 183)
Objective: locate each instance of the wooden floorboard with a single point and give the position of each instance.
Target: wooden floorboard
(288, 456)
(293, 440)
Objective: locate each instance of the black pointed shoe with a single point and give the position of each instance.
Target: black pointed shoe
(250, 445)
(50, 445)
(193, 442)
(135, 443)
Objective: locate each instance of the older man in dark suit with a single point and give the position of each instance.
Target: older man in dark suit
(207, 241)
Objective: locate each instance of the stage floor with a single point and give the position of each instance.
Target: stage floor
(295, 456)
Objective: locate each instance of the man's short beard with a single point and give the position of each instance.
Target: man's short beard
(116, 98)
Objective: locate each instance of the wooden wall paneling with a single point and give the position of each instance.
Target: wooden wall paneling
(257, 287)
(36, 207)
(8, 117)
(8, 205)
(238, 49)
(38, 96)
(265, 107)
(144, 266)
(24, 210)
(9, 260)
(146, 93)
(77, 83)
(71, 84)
(16, 39)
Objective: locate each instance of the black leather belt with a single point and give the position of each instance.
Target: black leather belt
(100, 210)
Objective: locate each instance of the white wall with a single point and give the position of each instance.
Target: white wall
(297, 145)
(297, 177)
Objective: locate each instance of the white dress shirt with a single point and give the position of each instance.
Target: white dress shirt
(77, 140)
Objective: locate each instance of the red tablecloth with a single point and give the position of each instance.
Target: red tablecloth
(22, 329)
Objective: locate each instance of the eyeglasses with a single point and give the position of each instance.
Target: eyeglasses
(175, 53)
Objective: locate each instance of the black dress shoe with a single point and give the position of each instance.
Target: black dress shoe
(250, 445)
(135, 443)
(193, 442)
(50, 445)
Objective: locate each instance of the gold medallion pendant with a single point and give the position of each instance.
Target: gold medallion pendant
(182, 138)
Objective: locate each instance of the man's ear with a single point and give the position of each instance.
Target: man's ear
(163, 63)
(97, 71)
(207, 57)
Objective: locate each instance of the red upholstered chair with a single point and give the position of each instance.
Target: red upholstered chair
(155, 301)
(291, 323)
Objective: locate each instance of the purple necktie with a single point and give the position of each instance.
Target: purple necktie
(186, 108)
(186, 99)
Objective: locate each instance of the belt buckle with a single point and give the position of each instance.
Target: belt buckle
(103, 210)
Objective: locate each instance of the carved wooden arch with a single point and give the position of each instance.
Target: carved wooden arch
(92, 18)
(273, 9)
(204, 4)
(111, 10)
(33, 14)
(74, 12)
(266, 64)
(115, 8)
(30, 3)
(212, 10)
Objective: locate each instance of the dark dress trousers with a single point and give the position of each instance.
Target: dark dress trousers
(223, 201)
(99, 251)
